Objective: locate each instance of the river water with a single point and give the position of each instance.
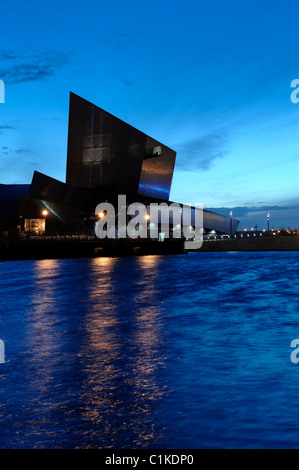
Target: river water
(185, 351)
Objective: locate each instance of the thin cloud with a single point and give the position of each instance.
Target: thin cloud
(25, 68)
(125, 40)
(26, 73)
(243, 211)
(6, 151)
(127, 82)
(282, 215)
(200, 153)
(21, 151)
(6, 127)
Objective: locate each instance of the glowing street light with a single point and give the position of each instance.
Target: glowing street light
(45, 213)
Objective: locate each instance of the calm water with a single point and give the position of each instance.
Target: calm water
(150, 352)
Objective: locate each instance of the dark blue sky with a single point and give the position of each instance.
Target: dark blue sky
(210, 79)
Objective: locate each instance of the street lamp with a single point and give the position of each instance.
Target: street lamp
(21, 223)
(45, 213)
(147, 218)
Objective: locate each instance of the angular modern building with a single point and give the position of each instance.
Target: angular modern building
(107, 152)
(105, 157)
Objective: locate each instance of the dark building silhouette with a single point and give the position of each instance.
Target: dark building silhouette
(105, 157)
(105, 151)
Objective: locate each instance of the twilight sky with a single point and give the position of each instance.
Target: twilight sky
(208, 78)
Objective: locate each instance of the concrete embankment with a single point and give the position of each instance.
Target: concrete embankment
(274, 243)
(49, 249)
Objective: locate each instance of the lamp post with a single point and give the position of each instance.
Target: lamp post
(147, 218)
(20, 222)
(45, 213)
(268, 220)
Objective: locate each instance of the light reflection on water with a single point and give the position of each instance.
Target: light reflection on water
(121, 349)
(150, 352)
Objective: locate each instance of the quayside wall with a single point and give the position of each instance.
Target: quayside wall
(274, 243)
(51, 249)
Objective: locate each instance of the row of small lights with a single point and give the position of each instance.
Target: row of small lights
(272, 230)
(147, 217)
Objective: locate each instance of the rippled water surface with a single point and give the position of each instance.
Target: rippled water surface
(189, 351)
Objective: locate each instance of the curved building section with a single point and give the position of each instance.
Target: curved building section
(219, 223)
(157, 170)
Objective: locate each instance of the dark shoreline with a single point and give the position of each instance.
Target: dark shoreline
(59, 249)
